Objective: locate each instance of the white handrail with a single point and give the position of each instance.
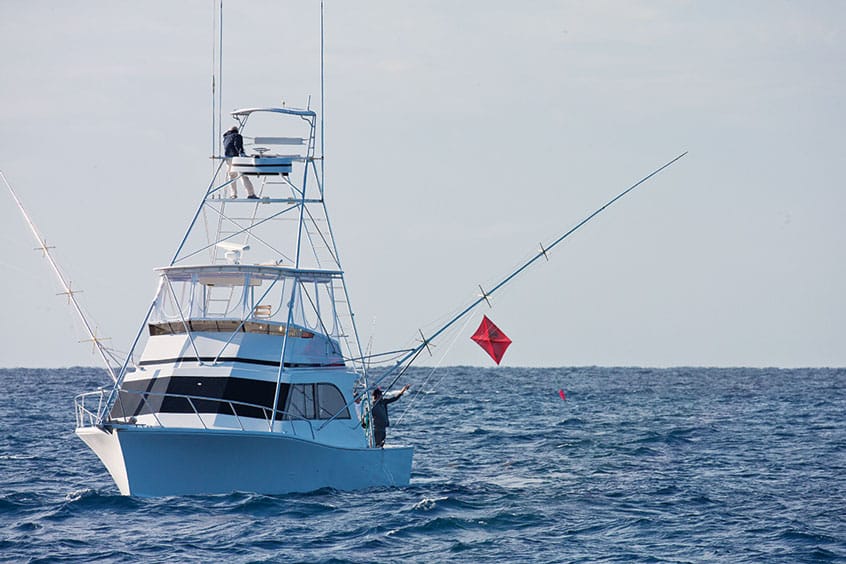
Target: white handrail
(92, 420)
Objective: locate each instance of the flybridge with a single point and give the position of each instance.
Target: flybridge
(271, 300)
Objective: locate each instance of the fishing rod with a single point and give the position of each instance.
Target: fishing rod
(105, 353)
(415, 352)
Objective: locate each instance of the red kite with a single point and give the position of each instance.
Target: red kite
(489, 337)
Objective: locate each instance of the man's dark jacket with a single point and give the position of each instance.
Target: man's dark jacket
(233, 144)
(380, 412)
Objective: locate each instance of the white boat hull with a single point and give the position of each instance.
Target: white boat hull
(151, 462)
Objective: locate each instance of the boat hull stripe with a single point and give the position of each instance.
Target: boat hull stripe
(236, 359)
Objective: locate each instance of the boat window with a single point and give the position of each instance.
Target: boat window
(225, 326)
(212, 300)
(301, 404)
(309, 400)
(330, 401)
(169, 394)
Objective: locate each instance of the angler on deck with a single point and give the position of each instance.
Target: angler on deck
(379, 413)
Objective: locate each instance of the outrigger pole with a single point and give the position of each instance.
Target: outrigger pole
(413, 353)
(105, 354)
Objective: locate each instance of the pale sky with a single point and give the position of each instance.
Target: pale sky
(459, 136)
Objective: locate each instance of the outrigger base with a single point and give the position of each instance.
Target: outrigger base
(152, 462)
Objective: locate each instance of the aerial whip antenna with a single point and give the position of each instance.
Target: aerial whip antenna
(220, 79)
(322, 99)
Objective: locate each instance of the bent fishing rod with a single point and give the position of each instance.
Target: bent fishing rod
(414, 353)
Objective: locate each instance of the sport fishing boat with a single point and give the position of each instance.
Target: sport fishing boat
(249, 360)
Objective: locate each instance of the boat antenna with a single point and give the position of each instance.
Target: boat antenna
(220, 80)
(412, 354)
(217, 78)
(105, 353)
(322, 104)
(214, 86)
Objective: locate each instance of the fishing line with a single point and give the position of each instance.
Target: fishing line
(434, 369)
(412, 356)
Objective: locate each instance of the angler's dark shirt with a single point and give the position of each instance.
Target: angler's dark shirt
(379, 409)
(233, 144)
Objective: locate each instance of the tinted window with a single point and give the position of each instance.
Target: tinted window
(301, 404)
(163, 395)
(330, 401)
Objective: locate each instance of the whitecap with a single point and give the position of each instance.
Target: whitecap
(76, 495)
(428, 503)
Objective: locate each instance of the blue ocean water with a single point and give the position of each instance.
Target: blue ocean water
(636, 465)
